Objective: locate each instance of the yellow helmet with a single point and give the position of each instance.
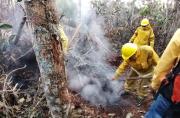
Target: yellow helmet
(144, 22)
(128, 50)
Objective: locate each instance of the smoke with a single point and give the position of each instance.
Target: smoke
(87, 68)
(20, 54)
(13, 14)
(88, 71)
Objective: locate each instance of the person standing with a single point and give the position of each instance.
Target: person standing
(144, 34)
(168, 87)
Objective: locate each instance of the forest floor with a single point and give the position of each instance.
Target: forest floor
(126, 108)
(30, 100)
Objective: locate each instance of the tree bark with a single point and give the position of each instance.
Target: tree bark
(48, 51)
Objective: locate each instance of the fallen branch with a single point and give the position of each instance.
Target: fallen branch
(74, 35)
(21, 68)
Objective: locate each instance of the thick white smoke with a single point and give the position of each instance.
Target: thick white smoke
(87, 68)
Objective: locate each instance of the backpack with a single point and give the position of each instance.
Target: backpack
(171, 91)
(173, 111)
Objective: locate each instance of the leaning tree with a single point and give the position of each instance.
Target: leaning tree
(48, 50)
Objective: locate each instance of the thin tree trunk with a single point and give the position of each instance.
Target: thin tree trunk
(48, 51)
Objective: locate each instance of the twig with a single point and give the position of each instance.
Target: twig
(23, 9)
(24, 54)
(69, 108)
(6, 91)
(5, 88)
(74, 35)
(2, 78)
(15, 71)
(33, 110)
(61, 16)
(1, 69)
(17, 37)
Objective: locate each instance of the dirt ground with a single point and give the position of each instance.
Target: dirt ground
(126, 109)
(75, 105)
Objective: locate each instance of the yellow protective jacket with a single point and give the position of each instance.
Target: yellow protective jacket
(146, 58)
(143, 37)
(64, 40)
(168, 59)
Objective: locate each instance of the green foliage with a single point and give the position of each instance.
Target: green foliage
(160, 19)
(155, 12)
(145, 11)
(5, 26)
(4, 41)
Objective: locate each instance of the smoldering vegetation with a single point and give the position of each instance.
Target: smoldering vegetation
(16, 49)
(90, 74)
(88, 70)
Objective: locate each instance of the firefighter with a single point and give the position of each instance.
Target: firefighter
(169, 93)
(141, 60)
(144, 34)
(64, 40)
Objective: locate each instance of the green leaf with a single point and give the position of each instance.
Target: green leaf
(5, 26)
(145, 11)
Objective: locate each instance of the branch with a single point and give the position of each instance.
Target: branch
(15, 71)
(74, 35)
(18, 35)
(14, 90)
(30, 50)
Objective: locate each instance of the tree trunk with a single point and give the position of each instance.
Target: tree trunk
(48, 51)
